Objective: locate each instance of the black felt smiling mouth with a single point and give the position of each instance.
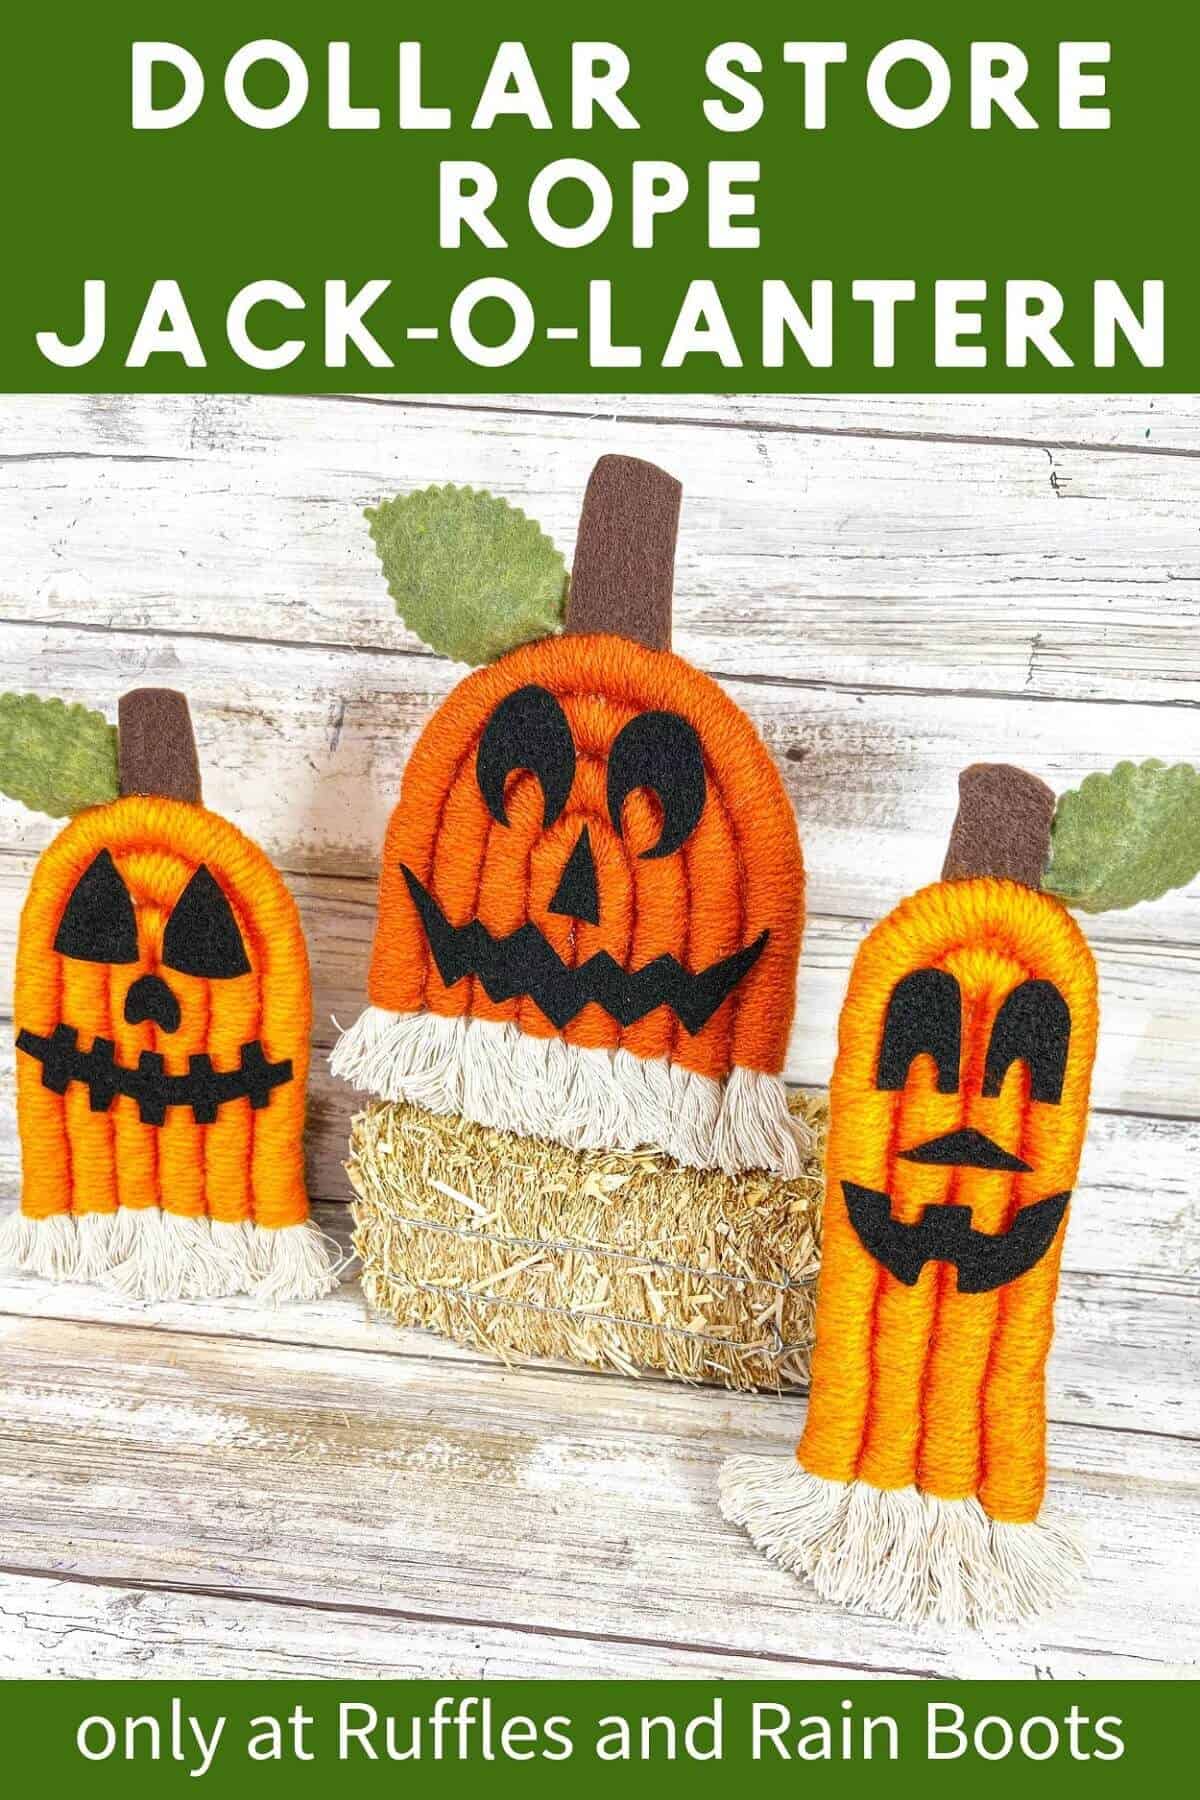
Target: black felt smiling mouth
(204, 1089)
(944, 1233)
(525, 963)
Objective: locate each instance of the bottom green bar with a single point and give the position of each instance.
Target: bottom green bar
(129, 1738)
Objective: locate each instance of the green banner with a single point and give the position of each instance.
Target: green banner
(515, 197)
(126, 1738)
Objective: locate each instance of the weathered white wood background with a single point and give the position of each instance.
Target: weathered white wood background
(892, 587)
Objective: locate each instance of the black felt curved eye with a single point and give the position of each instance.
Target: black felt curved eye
(1034, 1027)
(98, 924)
(660, 751)
(201, 936)
(528, 730)
(924, 1018)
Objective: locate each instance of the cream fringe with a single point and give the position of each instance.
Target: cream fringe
(901, 1554)
(154, 1255)
(586, 1099)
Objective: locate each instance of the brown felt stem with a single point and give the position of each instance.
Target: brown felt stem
(1002, 827)
(624, 570)
(156, 752)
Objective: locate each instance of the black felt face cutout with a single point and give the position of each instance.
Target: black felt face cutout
(528, 730)
(201, 937)
(661, 752)
(658, 753)
(945, 1234)
(98, 924)
(1034, 1027)
(925, 1018)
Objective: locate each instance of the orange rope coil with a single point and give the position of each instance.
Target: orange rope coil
(925, 1385)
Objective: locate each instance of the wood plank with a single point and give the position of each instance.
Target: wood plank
(1150, 424)
(521, 1498)
(938, 561)
(1119, 1349)
(1162, 424)
(62, 1630)
(304, 746)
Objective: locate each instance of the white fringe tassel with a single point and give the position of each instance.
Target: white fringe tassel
(587, 1099)
(900, 1554)
(149, 1254)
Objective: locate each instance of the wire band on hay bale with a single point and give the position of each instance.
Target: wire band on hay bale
(615, 1259)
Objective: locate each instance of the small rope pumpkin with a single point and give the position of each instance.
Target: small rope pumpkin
(163, 1009)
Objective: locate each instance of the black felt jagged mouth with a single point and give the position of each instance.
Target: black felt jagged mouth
(944, 1233)
(526, 964)
(204, 1089)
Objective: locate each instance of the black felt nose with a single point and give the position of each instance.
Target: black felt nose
(576, 894)
(966, 1149)
(150, 998)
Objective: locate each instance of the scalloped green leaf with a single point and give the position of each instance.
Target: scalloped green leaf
(1127, 836)
(55, 757)
(469, 573)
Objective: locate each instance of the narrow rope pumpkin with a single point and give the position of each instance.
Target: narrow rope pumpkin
(958, 1109)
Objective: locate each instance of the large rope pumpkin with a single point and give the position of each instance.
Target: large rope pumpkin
(162, 1009)
(958, 1108)
(592, 892)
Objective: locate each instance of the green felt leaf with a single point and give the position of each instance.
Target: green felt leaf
(1128, 836)
(56, 758)
(468, 572)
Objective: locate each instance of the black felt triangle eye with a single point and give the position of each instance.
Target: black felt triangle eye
(202, 937)
(99, 924)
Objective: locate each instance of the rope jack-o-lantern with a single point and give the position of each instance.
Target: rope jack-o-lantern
(958, 1109)
(162, 1011)
(592, 892)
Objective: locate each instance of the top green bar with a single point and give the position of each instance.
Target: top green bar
(756, 197)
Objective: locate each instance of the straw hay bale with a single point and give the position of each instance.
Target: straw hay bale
(609, 1258)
